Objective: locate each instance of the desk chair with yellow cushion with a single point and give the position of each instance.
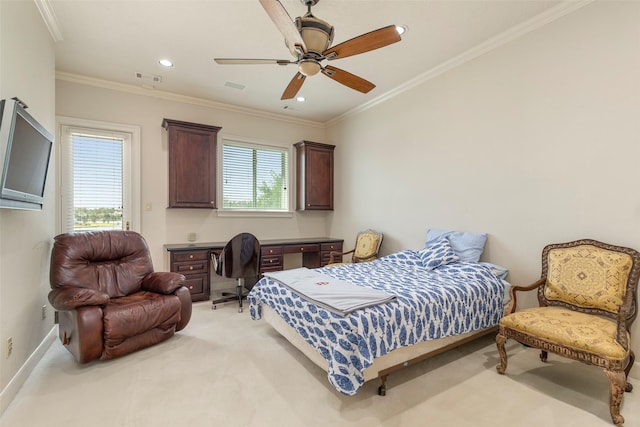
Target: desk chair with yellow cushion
(367, 247)
(588, 301)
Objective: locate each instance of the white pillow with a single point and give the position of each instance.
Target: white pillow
(468, 246)
(437, 254)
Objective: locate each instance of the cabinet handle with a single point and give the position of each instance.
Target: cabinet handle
(191, 287)
(191, 267)
(271, 261)
(191, 256)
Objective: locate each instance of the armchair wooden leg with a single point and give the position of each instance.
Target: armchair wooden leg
(544, 355)
(632, 358)
(617, 381)
(500, 340)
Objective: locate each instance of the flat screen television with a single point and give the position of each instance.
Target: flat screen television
(25, 152)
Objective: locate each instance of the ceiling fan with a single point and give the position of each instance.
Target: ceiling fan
(308, 39)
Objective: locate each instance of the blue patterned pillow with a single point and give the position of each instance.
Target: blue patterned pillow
(406, 258)
(438, 253)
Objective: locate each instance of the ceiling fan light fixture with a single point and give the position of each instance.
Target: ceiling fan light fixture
(316, 33)
(309, 67)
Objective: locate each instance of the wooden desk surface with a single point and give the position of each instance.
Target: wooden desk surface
(263, 242)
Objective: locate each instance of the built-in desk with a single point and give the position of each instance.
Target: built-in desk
(192, 259)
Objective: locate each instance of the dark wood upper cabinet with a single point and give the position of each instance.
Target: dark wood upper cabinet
(192, 164)
(314, 176)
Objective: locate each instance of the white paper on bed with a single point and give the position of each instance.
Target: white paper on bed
(338, 296)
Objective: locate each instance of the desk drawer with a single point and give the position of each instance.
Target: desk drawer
(329, 247)
(271, 261)
(196, 284)
(270, 269)
(195, 267)
(270, 250)
(191, 256)
(187, 268)
(298, 249)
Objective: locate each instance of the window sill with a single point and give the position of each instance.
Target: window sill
(254, 214)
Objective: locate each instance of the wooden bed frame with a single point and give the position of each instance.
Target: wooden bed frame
(385, 365)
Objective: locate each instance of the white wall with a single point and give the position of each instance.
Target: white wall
(161, 225)
(534, 143)
(27, 69)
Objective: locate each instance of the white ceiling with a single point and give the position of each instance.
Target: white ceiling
(112, 40)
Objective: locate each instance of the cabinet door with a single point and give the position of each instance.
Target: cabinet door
(192, 164)
(315, 176)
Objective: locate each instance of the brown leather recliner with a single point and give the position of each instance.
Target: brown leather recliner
(110, 301)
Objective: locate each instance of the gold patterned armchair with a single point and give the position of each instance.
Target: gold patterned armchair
(588, 301)
(367, 247)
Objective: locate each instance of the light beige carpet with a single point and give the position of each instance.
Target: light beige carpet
(227, 370)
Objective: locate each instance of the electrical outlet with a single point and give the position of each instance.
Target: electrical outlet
(9, 346)
(44, 312)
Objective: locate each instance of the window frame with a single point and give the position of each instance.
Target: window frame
(252, 144)
(131, 164)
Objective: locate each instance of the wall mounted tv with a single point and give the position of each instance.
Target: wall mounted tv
(25, 151)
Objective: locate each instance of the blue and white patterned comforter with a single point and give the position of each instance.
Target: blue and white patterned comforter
(450, 300)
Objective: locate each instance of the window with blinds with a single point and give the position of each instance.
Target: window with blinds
(92, 179)
(254, 177)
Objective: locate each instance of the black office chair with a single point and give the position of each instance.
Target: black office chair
(239, 259)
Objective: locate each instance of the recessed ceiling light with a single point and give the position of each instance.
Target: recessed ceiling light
(401, 29)
(300, 99)
(166, 63)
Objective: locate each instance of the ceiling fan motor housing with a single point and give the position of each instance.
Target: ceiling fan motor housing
(316, 33)
(309, 3)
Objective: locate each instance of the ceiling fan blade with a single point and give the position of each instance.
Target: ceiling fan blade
(283, 21)
(294, 86)
(364, 43)
(235, 61)
(348, 79)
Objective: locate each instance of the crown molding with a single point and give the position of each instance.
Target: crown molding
(170, 96)
(556, 12)
(49, 18)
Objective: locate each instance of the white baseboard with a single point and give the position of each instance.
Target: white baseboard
(11, 390)
(635, 371)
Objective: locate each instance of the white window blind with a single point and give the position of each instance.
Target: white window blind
(254, 177)
(92, 180)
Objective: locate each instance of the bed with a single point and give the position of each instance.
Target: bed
(440, 302)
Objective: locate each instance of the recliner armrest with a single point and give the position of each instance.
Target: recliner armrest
(71, 297)
(163, 282)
